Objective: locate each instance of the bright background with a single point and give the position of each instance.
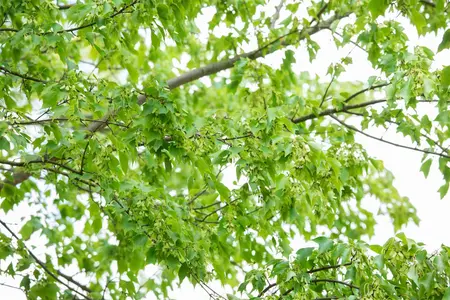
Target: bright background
(403, 163)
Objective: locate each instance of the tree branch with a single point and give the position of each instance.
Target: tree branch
(388, 142)
(23, 76)
(276, 15)
(310, 272)
(365, 90)
(216, 67)
(327, 280)
(48, 271)
(345, 108)
(38, 122)
(93, 23)
(67, 6)
(229, 63)
(398, 124)
(330, 111)
(39, 161)
(335, 281)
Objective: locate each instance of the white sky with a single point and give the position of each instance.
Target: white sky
(403, 163)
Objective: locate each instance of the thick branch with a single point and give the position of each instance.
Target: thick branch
(216, 67)
(227, 64)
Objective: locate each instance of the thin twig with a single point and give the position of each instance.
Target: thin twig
(39, 161)
(47, 270)
(38, 122)
(388, 142)
(398, 124)
(373, 87)
(23, 76)
(93, 23)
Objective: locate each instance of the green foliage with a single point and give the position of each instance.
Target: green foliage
(120, 152)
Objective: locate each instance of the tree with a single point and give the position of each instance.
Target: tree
(118, 118)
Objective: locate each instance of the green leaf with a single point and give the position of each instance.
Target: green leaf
(407, 90)
(324, 243)
(443, 190)
(446, 294)
(445, 43)
(418, 20)
(4, 144)
(183, 272)
(377, 7)
(303, 254)
(123, 159)
(425, 169)
(97, 224)
(445, 76)
(30, 227)
(224, 192)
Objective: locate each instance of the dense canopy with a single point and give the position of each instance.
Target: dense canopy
(118, 119)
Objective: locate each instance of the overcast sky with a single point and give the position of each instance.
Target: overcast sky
(404, 164)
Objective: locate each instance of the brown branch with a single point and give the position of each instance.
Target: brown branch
(310, 272)
(39, 161)
(236, 137)
(335, 281)
(38, 122)
(398, 124)
(48, 271)
(8, 30)
(327, 280)
(330, 111)
(329, 267)
(216, 67)
(326, 91)
(229, 63)
(93, 23)
(365, 90)
(207, 206)
(218, 209)
(23, 76)
(67, 6)
(388, 142)
(345, 108)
